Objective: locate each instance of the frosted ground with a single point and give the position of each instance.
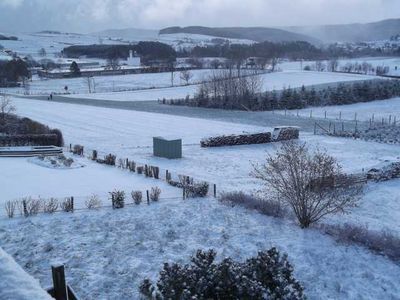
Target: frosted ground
(362, 111)
(88, 242)
(107, 253)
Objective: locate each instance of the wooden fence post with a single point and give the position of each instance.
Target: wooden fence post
(148, 197)
(59, 284)
(315, 128)
(340, 115)
(215, 190)
(72, 204)
(183, 193)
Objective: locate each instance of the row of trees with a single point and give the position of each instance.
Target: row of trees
(13, 71)
(333, 65)
(220, 93)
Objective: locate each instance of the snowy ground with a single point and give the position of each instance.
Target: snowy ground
(108, 83)
(129, 134)
(270, 81)
(107, 253)
(21, 178)
(391, 62)
(360, 111)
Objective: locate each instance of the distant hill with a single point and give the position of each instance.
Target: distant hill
(381, 30)
(258, 34)
(130, 34)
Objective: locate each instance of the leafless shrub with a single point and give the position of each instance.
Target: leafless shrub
(77, 149)
(93, 202)
(10, 207)
(29, 206)
(306, 182)
(381, 242)
(155, 193)
(67, 205)
(272, 208)
(137, 197)
(6, 107)
(186, 76)
(50, 205)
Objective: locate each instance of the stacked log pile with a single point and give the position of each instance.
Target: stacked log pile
(232, 140)
(286, 134)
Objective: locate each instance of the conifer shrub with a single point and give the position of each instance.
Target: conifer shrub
(269, 275)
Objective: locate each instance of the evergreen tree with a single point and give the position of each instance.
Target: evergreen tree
(75, 70)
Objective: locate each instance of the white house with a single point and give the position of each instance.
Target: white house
(133, 59)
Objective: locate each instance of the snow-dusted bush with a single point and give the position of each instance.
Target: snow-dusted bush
(29, 206)
(93, 202)
(306, 182)
(140, 170)
(269, 275)
(267, 207)
(77, 149)
(381, 242)
(67, 204)
(117, 199)
(197, 190)
(137, 197)
(110, 159)
(155, 193)
(50, 205)
(10, 207)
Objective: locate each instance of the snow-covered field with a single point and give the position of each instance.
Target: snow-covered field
(391, 62)
(129, 134)
(108, 83)
(361, 111)
(107, 253)
(270, 81)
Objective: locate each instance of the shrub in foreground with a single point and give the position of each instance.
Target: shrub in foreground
(137, 197)
(155, 193)
(269, 275)
(93, 202)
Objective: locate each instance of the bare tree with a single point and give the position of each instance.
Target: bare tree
(6, 107)
(319, 66)
(42, 52)
(333, 65)
(307, 182)
(186, 75)
(113, 64)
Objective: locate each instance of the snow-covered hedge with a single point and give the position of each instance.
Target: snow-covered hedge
(269, 275)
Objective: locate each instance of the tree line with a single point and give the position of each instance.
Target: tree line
(147, 50)
(289, 98)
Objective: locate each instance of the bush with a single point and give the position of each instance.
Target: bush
(266, 276)
(10, 207)
(155, 193)
(306, 181)
(60, 139)
(137, 197)
(380, 242)
(117, 199)
(29, 207)
(110, 159)
(197, 190)
(93, 202)
(77, 149)
(67, 205)
(272, 208)
(50, 205)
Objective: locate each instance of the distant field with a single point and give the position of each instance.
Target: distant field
(270, 81)
(358, 111)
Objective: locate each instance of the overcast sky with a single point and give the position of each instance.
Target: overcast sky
(93, 15)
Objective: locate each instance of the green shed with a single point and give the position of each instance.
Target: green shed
(167, 148)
